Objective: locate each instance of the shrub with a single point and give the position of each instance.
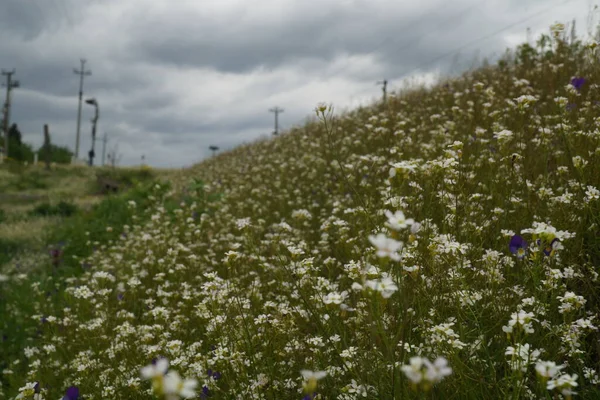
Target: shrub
(62, 209)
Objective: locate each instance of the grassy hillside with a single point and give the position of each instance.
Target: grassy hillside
(34, 201)
(443, 245)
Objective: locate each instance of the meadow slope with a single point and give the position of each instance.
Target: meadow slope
(457, 223)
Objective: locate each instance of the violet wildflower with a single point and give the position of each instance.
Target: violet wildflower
(554, 245)
(72, 393)
(577, 82)
(56, 255)
(518, 246)
(205, 393)
(216, 375)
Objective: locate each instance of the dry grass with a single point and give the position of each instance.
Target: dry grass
(30, 231)
(75, 184)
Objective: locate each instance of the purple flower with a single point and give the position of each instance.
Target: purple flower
(205, 393)
(518, 246)
(216, 375)
(571, 106)
(554, 244)
(577, 82)
(310, 396)
(56, 255)
(120, 296)
(72, 393)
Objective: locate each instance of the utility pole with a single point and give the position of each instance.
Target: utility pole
(104, 140)
(384, 83)
(81, 74)
(10, 84)
(276, 110)
(91, 153)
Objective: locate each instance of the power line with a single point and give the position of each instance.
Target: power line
(81, 74)
(413, 23)
(488, 36)
(457, 16)
(485, 37)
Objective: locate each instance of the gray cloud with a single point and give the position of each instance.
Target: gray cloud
(173, 78)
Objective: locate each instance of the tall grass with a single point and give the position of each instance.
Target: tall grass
(442, 245)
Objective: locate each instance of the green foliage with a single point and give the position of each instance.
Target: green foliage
(21, 152)
(25, 179)
(126, 176)
(58, 154)
(113, 211)
(74, 239)
(63, 209)
(8, 249)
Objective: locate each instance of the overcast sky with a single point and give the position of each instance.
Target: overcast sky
(173, 77)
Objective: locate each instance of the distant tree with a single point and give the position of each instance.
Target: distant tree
(22, 152)
(58, 154)
(19, 151)
(14, 134)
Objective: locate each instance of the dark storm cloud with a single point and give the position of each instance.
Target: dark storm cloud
(234, 44)
(173, 77)
(26, 19)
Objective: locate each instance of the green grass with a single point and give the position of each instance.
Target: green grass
(8, 249)
(63, 208)
(75, 238)
(293, 254)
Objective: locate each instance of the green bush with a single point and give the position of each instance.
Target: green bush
(59, 155)
(126, 176)
(63, 209)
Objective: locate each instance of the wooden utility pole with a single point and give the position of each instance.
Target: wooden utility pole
(276, 110)
(10, 84)
(82, 72)
(104, 140)
(47, 146)
(384, 83)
